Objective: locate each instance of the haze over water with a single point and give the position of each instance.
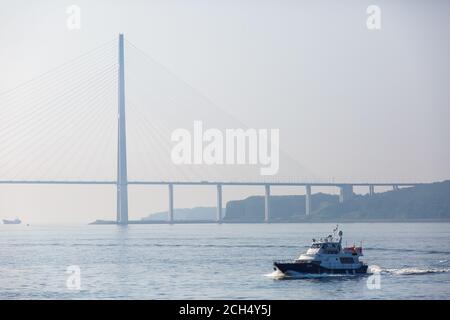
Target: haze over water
(217, 261)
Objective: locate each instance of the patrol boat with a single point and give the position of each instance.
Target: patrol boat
(326, 256)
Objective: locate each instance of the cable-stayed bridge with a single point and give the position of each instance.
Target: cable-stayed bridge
(78, 120)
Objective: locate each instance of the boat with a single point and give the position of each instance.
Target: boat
(15, 221)
(326, 256)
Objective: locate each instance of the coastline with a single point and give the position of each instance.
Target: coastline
(111, 222)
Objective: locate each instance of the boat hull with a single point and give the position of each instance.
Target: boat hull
(11, 222)
(313, 268)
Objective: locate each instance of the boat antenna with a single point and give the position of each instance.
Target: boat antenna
(335, 229)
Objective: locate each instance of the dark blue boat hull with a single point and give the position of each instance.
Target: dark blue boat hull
(314, 268)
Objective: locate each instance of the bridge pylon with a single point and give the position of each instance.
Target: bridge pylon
(122, 178)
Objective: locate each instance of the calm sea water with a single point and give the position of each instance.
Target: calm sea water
(217, 261)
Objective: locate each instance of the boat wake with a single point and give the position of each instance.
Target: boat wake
(414, 271)
(277, 274)
(406, 270)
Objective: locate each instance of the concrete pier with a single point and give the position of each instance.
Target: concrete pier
(371, 190)
(267, 203)
(345, 192)
(308, 200)
(219, 203)
(171, 203)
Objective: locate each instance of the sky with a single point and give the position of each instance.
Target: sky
(351, 104)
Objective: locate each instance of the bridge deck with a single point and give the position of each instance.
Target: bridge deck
(230, 183)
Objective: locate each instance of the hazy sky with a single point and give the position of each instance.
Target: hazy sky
(350, 103)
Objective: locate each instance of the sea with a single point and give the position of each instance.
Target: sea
(212, 261)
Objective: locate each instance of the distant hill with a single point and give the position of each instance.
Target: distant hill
(283, 208)
(197, 213)
(424, 202)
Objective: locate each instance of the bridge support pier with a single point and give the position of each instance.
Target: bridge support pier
(345, 192)
(395, 187)
(219, 203)
(308, 200)
(371, 190)
(267, 203)
(170, 203)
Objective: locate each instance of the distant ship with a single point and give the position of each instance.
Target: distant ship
(15, 221)
(325, 256)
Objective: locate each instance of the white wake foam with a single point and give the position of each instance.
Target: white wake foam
(416, 271)
(277, 274)
(373, 269)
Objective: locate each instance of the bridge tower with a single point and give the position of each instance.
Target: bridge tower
(122, 179)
